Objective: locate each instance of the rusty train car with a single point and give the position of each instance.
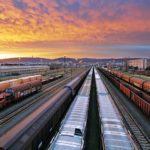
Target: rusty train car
(140, 83)
(51, 79)
(17, 89)
(17, 93)
(33, 132)
(141, 99)
(16, 82)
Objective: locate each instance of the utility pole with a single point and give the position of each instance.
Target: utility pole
(64, 64)
(71, 71)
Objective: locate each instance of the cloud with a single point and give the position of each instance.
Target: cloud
(20, 4)
(79, 22)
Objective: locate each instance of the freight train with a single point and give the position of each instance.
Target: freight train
(141, 99)
(18, 89)
(140, 83)
(33, 131)
(73, 128)
(114, 133)
(51, 79)
(16, 82)
(16, 93)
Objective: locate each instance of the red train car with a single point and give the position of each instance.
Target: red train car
(119, 75)
(137, 82)
(17, 82)
(125, 77)
(125, 90)
(3, 85)
(24, 90)
(15, 93)
(146, 86)
(140, 83)
(141, 99)
(141, 103)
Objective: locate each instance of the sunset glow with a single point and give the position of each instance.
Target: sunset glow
(76, 28)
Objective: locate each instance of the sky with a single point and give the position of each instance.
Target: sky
(74, 28)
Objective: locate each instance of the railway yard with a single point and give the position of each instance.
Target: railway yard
(73, 109)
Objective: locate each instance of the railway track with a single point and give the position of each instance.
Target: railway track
(55, 87)
(5, 112)
(141, 140)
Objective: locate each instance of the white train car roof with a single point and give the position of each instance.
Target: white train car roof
(85, 89)
(99, 84)
(71, 134)
(114, 133)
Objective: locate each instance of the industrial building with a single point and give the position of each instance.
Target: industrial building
(142, 63)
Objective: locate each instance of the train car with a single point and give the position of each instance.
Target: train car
(15, 82)
(33, 131)
(137, 82)
(111, 71)
(119, 75)
(3, 85)
(31, 78)
(73, 129)
(51, 79)
(141, 99)
(39, 77)
(114, 134)
(48, 80)
(23, 90)
(141, 103)
(125, 90)
(146, 86)
(3, 101)
(25, 80)
(140, 83)
(125, 77)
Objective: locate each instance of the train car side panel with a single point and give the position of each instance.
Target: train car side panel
(125, 90)
(146, 86)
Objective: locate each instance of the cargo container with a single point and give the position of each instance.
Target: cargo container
(25, 80)
(119, 75)
(39, 77)
(141, 103)
(146, 86)
(137, 82)
(3, 85)
(15, 82)
(125, 90)
(125, 77)
(33, 78)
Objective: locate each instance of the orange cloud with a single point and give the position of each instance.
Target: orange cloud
(26, 22)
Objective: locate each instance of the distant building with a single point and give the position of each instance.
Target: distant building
(142, 63)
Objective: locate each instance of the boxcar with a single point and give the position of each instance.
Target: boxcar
(15, 82)
(39, 77)
(125, 77)
(25, 80)
(146, 86)
(114, 133)
(125, 90)
(3, 85)
(137, 82)
(73, 129)
(33, 131)
(141, 103)
(23, 90)
(119, 75)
